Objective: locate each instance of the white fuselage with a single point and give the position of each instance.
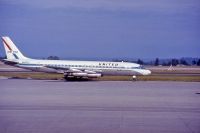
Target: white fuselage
(103, 67)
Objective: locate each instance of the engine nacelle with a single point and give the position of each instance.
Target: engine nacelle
(96, 75)
(80, 74)
(89, 72)
(89, 75)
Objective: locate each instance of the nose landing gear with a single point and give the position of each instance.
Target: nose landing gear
(134, 78)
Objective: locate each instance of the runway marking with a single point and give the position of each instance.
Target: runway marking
(98, 108)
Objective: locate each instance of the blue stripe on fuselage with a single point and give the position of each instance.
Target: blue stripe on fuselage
(34, 65)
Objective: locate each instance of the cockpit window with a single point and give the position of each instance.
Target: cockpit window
(139, 67)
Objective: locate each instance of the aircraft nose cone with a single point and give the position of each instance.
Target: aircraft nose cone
(147, 72)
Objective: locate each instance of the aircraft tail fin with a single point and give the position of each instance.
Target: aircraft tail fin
(12, 52)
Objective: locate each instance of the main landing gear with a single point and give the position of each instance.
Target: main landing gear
(73, 78)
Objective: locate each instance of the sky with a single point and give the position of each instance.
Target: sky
(102, 29)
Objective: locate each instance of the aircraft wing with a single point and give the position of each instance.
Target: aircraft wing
(65, 69)
(57, 67)
(76, 72)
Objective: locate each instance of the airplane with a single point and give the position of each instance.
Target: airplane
(69, 68)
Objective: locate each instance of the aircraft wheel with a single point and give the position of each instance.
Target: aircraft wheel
(134, 78)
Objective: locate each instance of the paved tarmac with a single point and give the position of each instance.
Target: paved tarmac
(41, 106)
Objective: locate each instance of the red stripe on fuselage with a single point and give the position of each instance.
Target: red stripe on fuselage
(7, 44)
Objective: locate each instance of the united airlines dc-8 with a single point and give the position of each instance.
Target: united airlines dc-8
(70, 69)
